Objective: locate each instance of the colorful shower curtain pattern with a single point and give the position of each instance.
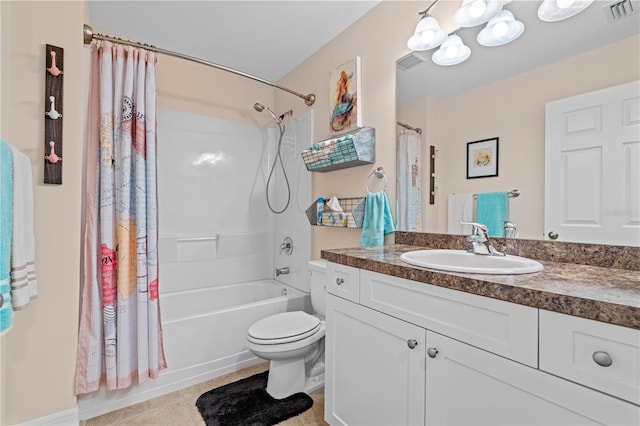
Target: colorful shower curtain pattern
(120, 339)
(408, 182)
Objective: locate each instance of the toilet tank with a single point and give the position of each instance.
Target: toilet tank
(318, 273)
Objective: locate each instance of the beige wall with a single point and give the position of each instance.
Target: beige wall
(513, 110)
(38, 354)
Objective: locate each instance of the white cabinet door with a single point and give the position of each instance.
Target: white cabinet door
(592, 159)
(373, 377)
(469, 386)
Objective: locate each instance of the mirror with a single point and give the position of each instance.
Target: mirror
(501, 92)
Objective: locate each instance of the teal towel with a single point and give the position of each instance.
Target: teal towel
(6, 226)
(377, 220)
(492, 210)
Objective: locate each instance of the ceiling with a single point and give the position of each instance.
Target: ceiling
(541, 43)
(269, 38)
(264, 38)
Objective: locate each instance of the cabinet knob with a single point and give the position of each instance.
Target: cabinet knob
(553, 235)
(412, 343)
(432, 352)
(602, 358)
(339, 281)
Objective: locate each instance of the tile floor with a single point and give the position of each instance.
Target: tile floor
(179, 409)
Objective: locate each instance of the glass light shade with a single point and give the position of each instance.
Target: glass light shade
(501, 30)
(427, 35)
(476, 12)
(453, 51)
(557, 10)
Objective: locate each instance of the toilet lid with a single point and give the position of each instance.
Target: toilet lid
(283, 328)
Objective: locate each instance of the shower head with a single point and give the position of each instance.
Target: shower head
(259, 107)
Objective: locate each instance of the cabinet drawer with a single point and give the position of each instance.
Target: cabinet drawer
(343, 281)
(504, 328)
(568, 345)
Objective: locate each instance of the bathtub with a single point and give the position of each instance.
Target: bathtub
(204, 334)
(209, 326)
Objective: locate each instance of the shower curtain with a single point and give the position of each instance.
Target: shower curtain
(120, 338)
(408, 168)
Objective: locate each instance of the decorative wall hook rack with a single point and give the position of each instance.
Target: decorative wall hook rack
(53, 106)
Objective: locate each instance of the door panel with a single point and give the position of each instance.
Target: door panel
(592, 157)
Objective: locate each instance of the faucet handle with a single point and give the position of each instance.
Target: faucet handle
(479, 229)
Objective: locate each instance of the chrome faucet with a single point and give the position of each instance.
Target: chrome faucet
(282, 271)
(479, 239)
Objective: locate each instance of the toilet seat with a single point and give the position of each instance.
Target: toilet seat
(282, 328)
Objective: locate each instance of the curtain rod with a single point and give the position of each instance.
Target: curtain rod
(406, 126)
(89, 35)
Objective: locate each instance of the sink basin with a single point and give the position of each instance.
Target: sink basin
(462, 261)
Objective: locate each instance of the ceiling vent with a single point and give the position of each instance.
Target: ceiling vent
(620, 9)
(411, 60)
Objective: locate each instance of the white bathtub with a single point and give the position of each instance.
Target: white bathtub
(204, 334)
(209, 326)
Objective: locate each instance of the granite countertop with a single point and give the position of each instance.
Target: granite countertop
(606, 294)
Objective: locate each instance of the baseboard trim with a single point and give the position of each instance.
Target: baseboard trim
(63, 418)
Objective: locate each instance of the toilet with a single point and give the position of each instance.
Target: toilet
(293, 342)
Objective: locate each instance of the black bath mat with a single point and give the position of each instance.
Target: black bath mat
(246, 402)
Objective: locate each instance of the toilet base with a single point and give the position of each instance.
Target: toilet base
(286, 377)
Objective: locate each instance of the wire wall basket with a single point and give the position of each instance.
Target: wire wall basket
(352, 215)
(353, 149)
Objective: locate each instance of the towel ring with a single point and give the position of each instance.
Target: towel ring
(379, 173)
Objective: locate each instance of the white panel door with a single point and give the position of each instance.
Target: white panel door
(469, 386)
(373, 377)
(592, 162)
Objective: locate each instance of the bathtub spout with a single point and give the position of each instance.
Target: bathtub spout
(281, 271)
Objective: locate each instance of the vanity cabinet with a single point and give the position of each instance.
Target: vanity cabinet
(377, 367)
(404, 352)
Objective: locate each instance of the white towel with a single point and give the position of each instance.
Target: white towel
(23, 268)
(460, 208)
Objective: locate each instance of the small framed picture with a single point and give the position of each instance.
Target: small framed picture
(482, 158)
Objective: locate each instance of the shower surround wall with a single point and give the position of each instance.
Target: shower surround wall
(219, 245)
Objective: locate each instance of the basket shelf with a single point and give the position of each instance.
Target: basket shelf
(350, 150)
(352, 215)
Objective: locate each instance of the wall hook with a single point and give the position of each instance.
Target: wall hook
(54, 70)
(52, 157)
(53, 114)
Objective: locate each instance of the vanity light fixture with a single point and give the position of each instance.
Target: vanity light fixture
(501, 29)
(476, 12)
(427, 35)
(453, 51)
(557, 10)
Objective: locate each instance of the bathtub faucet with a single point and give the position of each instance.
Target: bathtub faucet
(281, 271)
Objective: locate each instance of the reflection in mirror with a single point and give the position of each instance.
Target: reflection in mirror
(501, 92)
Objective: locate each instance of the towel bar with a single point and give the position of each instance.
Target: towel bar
(511, 194)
